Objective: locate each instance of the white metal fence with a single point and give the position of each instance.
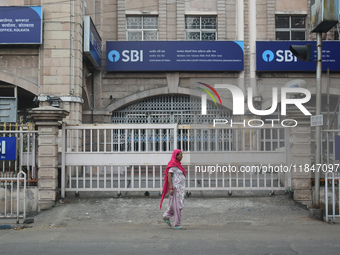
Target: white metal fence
(13, 196)
(328, 145)
(26, 154)
(133, 157)
(332, 178)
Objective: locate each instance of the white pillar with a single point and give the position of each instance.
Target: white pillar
(240, 37)
(252, 45)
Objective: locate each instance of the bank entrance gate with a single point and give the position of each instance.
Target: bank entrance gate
(127, 157)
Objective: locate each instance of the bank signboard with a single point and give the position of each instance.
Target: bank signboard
(20, 25)
(92, 43)
(276, 56)
(8, 148)
(175, 56)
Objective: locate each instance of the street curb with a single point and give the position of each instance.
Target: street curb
(11, 226)
(8, 225)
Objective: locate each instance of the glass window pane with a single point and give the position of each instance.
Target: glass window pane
(194, 36)
(134, 36)
(298, 22)
(208, 36)
(150, 35)
(134, 22)
(282, 21)
(192, 23)
(284, 35)
(150, 23)
(299, 35)
(208, 23)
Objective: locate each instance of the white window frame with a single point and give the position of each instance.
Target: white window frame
(200, 30)
(290, 29)
(142, 30)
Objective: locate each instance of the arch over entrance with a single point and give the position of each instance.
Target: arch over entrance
(168, 109)
(19, 82)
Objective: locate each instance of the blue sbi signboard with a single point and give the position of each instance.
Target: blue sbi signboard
(92, 43)
(276, 56)
(20, 25)
(174, 56)
(8, 148)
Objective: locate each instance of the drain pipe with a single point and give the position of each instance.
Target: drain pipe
(240, 37)
(39, 69)
(252, 45)
(92, 96)
(72, 50)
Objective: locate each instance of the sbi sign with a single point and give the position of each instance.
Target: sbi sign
(126, 56)
(278, 56)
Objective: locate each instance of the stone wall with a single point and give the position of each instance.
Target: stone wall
(31, 201)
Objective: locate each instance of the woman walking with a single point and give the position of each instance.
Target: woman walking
(174, 183)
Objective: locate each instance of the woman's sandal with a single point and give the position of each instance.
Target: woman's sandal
(179, 228)
(167, 222)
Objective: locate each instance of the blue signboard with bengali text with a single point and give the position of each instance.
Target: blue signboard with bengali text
(20, 25)
(92, 43)
(8, 148)
(276, 56)
(174, 56)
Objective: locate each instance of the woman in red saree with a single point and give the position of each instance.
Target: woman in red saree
(174, 184)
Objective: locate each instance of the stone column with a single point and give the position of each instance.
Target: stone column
(300, 155)
(48, 120)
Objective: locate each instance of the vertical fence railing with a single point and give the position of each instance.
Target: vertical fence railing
(150, 178)
(133, 157)
(13, 197)
(120, 138)
(331, 174)
(332, 178)
(26, 154)
(200, 138)
(328, 145)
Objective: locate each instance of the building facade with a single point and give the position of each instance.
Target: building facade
(59, 68)
(58, 71)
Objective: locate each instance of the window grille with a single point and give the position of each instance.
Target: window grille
(290, 28)
(170, 109)
(142, 28)
(200, 28)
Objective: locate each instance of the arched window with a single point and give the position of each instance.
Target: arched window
(169, 109)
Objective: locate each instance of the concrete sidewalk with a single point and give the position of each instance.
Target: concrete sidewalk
(199, 210)
(214, 225)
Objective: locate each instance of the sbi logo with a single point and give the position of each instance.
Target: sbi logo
(3, 147)
(281, 56)
(127, 56)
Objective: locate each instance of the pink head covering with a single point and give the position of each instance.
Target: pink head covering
(172, 163)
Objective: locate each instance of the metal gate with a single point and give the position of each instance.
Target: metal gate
(331, 173)
(26, 153)
(127, 157)
(13, 197)
(19, 171)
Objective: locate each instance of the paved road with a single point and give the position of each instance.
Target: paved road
(133, 225)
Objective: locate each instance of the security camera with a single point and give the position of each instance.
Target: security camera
(36, 100)
(298, 83)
